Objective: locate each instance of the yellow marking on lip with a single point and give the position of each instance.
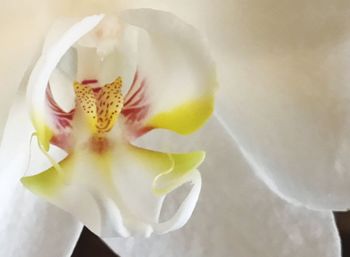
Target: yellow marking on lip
(109, 105)
(86, 100)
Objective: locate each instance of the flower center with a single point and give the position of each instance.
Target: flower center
(99, 144)
(100, 106)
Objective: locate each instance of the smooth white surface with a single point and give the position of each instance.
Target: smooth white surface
(284, 74)
(237, 215)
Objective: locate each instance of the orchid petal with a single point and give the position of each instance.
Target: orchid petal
(121, 192)
(237, 214)
(288, 105)
(29, 227)
(43, 69)
(283, 69)
(176, 75)
(297, 104)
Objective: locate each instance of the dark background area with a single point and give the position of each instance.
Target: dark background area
(343, 222)
(90, 245)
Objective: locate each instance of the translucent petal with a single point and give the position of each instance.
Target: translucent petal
(237, 215)
(29, 226)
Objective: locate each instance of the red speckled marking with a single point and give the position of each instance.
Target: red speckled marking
(101, 107)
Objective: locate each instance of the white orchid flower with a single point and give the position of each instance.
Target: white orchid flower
(236, 208)
(120, 187)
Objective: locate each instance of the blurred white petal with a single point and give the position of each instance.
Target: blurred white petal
(285, 97)
(283, 70)
(237, 214)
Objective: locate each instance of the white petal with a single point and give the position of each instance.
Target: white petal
(237, 214)
(290, 119)
(53, 53)
(283, 69)
(285, 98)
(64, 74)
(134, 179)
(29, 227)
(61, 82)
(36, 89)
(184, 212)
(176, 73)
